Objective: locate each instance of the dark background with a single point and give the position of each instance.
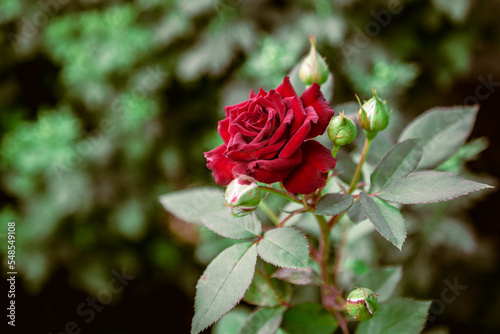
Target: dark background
(106, 105)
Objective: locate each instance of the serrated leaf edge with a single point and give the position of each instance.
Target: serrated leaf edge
(380, 193)
(324, 214)
(417, 144)
(232, 307)
(163, 202)
(406, 228)
(447, 109)
(277, 264)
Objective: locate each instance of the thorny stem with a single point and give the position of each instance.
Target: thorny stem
(357, 173)
(340, 252)
(324, 254)
(345, 226)
(342, 322)
(324, 242)
(324, 247)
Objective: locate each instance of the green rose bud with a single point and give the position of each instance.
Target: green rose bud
(243, 195)
(313, 68)
(373, 116)
(342, 130)
(362, 304)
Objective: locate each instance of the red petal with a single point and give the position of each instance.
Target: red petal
(312, 173)
(275, 170)
(262, 92)
(276, 99)
(223, 129)
(302, 134)
(283, 127)
(286, 89)
(314, 97)
(299, 114)
(235, 107)
(221, 167)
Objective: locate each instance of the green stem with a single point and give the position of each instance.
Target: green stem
(269, 213)
(340, 251)
(324, 254)
(357, 174)
(324, 246)
(342, 322)
(334, 220)
(280, 193)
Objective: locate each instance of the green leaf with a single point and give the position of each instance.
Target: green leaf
(231, 322)
(401, 160)
(308, 318)
(263, 321)
(223, 284)
(398, 316)
(210, 245)
(225, 224)
(443, 132)
(470, 151)
(284, 247)
(429, 187)
(267, 291)
(387, 219)
(382, 281)
(455, 234)
(192, 204)
(334, 204)
(298, 276)
(355, 213)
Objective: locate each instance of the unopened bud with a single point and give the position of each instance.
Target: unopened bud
(373, 116)
(342, 130)
(313, 68)
(362, 304)
(243, 195)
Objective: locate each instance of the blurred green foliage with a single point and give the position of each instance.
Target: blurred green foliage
(105, 105)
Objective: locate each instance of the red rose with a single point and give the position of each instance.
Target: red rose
(266, 136)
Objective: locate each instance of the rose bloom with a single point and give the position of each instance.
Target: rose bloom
(268, 138)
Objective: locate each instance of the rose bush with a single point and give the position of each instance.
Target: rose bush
(268, 137)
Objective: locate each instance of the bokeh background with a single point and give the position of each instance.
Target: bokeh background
(106, 105)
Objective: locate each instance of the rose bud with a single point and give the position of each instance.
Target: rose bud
(313, 68)
(243, 195)
(342, 130)
(373, 115)
(362, 304)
